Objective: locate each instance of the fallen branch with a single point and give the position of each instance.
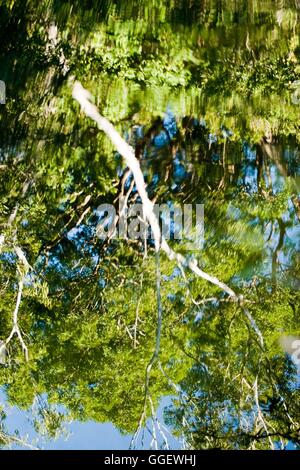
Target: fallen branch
(83, 97)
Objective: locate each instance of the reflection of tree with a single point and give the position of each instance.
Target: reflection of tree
(236, 395)
(88, 310)
(84, 354)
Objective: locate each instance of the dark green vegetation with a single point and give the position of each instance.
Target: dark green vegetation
(228, 71)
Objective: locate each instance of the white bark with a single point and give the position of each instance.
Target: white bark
(83, 97)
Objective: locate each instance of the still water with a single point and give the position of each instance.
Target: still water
(207, 94)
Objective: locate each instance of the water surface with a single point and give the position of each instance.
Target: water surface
(207, 93)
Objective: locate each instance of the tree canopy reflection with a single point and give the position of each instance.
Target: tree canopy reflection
(206, 95)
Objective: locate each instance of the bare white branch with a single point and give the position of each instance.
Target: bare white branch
(83, 97)
(15, 328)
